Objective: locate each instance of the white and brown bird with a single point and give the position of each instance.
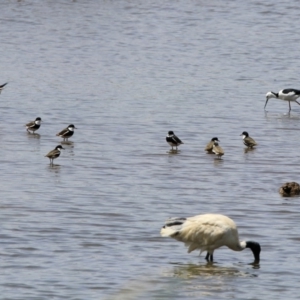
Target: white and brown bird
(67, 132)
(248, 141)
(173, 140)
(286, 95)
(208, 232)
(217, 149)
(2, 86)
(209, 146)
(55, 153)
(34, 125)
(290, 189)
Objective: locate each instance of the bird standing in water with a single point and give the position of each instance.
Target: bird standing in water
(208, 232)
(209, 146)
(2, 86)
(34, 125)
(55, 153)
(217, 149)
(67, 132)
(286, 95)
(173, 140)
(248, 141)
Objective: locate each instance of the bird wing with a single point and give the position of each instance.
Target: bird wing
(53, 153)
(176, 139)
(218, 150)
(209, 146)
(63, 132)
(30, 124)
(250, 141)
(291, 92)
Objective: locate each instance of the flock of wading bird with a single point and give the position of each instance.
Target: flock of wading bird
(33, 126)
(206, 232)
(209, 232)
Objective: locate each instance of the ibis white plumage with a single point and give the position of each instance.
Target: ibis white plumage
(208, 232)
(286, 95)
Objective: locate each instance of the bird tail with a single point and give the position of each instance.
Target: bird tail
(172, 227)
(3, 85)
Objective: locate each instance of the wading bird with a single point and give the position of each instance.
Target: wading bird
(55, 153)
(286, 95)
(217, 149)
(210, 145)
(173, 140)
(67, 132)
(248, 141)
(208, 232)
(34, 125)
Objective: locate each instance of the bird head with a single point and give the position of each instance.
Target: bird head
(255, 248)
(71, 127)
(38, 120)
(245, 134)
(268, 96)
(59, 147)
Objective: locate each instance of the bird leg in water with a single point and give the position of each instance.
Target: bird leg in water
(209, 257)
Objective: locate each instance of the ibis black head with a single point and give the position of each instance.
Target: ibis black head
(38, 119)
(215, 139)
(72, 126)
(170, 133)
(255, 248)
(245, 133)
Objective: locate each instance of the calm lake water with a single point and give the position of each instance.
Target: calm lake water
(125, 73)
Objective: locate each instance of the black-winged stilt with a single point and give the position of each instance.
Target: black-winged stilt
(286, 95)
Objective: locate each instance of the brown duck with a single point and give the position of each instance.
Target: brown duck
(290, 189)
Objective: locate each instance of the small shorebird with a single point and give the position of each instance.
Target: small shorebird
(217, 149)
(2, 86)
(67, 132)
(173, 140)
(286, 95)
(210, 145)
(34, 125)
(208, 232)
(55, 153)
(248, 141)
(289, 189)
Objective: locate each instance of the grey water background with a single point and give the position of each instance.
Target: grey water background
(125, 73)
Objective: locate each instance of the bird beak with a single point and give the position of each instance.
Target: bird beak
(62, 148)
(266, 102)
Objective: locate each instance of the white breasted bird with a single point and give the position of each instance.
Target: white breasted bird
(67, 132)
(248, 141)
(286, 95)
(55, 153)
(208, 232)
(173, 140)
(33, 125)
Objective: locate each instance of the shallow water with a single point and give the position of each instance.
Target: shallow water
(125, 73)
